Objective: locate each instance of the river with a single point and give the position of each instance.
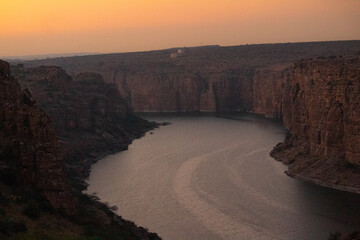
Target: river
(206, 177)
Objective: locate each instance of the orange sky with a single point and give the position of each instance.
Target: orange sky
(65, 26)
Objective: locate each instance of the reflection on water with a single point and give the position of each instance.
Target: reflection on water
(204, 177)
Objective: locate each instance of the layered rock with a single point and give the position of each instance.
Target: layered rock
(325, 106)
(90, 117)
(268, 90)
(29, 144)
(321, 103)
(185, 92)
(31, 160)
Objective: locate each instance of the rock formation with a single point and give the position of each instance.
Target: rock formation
(31, 159)
(182, 92)
(90, 117)
(28, 144)
(320, 107)
(268, 90)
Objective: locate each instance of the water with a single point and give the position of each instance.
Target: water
(212, 178)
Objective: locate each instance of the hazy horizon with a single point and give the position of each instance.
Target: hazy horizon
(66, 54)
(38, 27)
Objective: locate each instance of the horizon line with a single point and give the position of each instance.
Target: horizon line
(82, 54)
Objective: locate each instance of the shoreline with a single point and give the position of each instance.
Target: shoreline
(87, 162)
(281, 155)
(322, 183)
(90, 161)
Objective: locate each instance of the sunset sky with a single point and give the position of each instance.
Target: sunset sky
(30, 27)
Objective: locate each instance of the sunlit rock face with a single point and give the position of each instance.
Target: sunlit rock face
(321, 109)
(324, 106)
(318, 101)
(29, 144)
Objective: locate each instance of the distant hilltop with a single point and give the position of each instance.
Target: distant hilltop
(45, 56)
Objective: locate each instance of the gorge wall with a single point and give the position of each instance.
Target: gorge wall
(189, 92)
(90, 117)
(321, 109)
(29, 147)
(34, 185)
(323, 106)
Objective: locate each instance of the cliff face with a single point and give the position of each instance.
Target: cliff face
(324, 107)
(31, 160)
(185, 92)
(90, 117)
(318, 101)
(269, 90)
(320, 107)
(28, 143)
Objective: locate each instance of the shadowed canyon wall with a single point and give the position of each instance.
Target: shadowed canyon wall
(91, 120)
(29, 146)
(90, 117)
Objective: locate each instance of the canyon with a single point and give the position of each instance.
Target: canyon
(312, 87)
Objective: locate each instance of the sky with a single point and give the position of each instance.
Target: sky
(33, 27)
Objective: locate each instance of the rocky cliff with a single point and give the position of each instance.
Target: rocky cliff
(31, 159)
(268, 89)
(29, 146)
(90, 117)
(185, 92)
(320, 107)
